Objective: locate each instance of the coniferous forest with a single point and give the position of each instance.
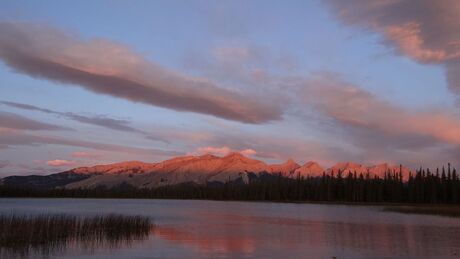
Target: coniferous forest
(424, 187)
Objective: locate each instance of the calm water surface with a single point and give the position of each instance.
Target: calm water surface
(214, 229)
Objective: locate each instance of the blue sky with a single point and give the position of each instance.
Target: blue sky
(294, 59)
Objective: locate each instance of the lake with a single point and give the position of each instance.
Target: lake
(217, 229)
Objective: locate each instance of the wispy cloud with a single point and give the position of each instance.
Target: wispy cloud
(4, 163)
(82, 154)
(14, 121)
(18, 138)
(110, 68)
(99, 120)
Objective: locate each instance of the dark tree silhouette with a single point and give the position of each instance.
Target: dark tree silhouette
(423, 187)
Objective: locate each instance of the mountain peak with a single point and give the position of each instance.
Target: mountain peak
(311, 164)
(290, 161)
(286, 168)
(346, 167)
(310, 168)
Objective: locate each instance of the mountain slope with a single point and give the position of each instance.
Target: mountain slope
(347, 167)
(189, 169)
(309, 169)
(43, 181)
(286, 169)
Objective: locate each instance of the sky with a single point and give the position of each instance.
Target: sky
(96, 82)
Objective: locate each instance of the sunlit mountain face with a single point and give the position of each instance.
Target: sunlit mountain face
(199, 170)
(212, 91)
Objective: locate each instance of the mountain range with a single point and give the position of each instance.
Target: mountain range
(200, 170)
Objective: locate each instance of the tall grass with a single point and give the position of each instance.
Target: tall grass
(44, 234)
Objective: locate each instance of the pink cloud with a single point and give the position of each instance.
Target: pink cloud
(427, 31)
(59, 162)
(409, 41)
(222, 151)
(111, 68)
(351, 105)
(248, 152)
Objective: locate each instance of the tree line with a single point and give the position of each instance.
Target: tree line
(424, 186)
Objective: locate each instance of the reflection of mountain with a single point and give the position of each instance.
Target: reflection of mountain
(205, 241)
(188, 169)
(277, 237)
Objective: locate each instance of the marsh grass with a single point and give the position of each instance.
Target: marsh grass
(21, 235)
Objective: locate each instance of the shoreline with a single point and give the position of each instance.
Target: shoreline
(445, 210)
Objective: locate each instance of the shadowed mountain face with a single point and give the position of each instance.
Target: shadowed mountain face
(43, 181)
(200, 170)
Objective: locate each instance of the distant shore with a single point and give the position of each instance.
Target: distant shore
(448, 210)
(437, 210)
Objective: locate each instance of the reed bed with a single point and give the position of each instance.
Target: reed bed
(43, 234)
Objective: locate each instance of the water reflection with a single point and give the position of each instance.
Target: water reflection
(207, 242)
(206, 229)
(260, 236)
(45, 235)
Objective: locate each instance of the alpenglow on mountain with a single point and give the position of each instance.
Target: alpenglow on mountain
(198, 170)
